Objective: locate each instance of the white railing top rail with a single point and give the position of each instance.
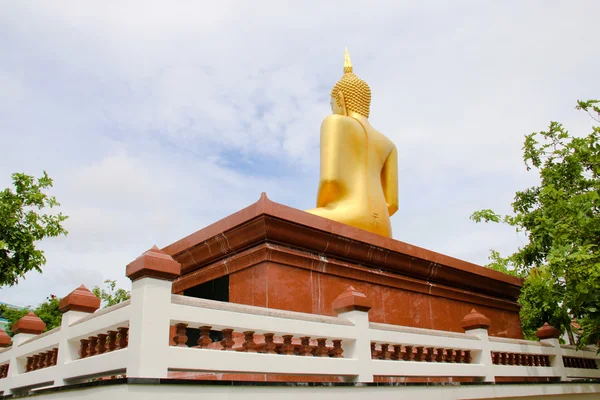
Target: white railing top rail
(43, 335)
(518, 341)
(102, 312)
(421, 331)
(254, 310)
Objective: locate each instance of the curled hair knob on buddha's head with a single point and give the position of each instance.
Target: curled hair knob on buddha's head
(351, 91)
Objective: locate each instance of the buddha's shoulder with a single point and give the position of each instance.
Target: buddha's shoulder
(336, 122)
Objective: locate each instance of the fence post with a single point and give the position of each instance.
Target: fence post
(549, 334)
(5, 341)
(477, 324)
(74, 306)
(152, 275)
(355, 307)
(24, 329)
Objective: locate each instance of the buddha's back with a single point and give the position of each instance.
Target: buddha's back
(355, 195)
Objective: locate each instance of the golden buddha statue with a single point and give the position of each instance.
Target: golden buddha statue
(359, 165)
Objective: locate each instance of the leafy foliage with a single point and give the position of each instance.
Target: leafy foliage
(22, 224)
(111, 295)
(561, 218)
(47, 311)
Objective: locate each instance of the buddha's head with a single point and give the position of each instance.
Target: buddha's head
(350, 93)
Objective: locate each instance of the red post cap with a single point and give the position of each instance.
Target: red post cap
(351, 300)
(30, 323)
(154, 263)
(547, 332)
(4, 338)
(80, 299)
(475, 320)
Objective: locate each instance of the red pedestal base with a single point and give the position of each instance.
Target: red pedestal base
(279, 257)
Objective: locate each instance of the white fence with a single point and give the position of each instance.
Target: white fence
(137, 338)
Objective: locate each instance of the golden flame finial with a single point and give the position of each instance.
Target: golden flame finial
(347, 62)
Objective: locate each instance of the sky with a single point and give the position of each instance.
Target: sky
(156, 119)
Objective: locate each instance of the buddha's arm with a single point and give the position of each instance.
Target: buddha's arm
(389, 181)
(331, 188)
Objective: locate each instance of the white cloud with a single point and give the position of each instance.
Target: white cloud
(156, 119)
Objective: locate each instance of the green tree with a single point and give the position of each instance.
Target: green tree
(561, 219)
(110, 294)
(47, 311)
(22, 223)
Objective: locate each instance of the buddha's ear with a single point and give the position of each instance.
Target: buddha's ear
(342, 102)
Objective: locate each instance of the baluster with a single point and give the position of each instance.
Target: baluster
(503, 358)
(49, 361)
(204, 340)
(305, 348)
(419, 356)
(123, 337)
(510, 358)
(518, 359)
(321, 350)
(337, 350)
(458, 356)
(112, 340)
(542, 361)
(102, 343)
(449, 355)
(408, 353)
(249, 346)
(467, 357)
(180, 337)
(55, 356)
(385, 354)
(93, 349)
(439, 356)
(43, 360)
(429, 356)
(288, 348)
(269, 346)
(373, 351)
(536, 360)
(36, 362)
(29, 365)
(397, 353)
(227, 341)
(83, 349)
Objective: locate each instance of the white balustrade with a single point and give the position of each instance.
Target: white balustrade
(267, 341)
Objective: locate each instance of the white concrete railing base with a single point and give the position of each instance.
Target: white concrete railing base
(266, 391)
